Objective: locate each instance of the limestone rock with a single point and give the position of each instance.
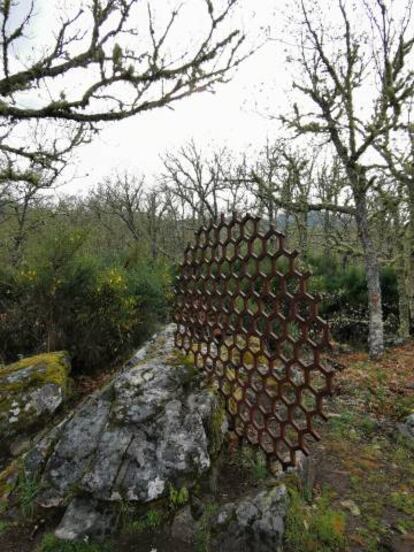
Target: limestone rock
(407, 427)
(31, 391)
(184, 527)
(254, 523)
(85, 518)
(149, 429)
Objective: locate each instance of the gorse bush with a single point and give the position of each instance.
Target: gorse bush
(66, 298)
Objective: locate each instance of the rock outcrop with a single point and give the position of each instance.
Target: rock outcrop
(255, 522)
(153, 428)
(407, 427)
(31, 391)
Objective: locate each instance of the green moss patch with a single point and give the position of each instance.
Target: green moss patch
(34, 371)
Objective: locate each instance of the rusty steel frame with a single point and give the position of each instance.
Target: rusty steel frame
(244, 313)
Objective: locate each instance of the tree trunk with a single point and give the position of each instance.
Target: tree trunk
(410, 250)
(376, 324)
(302, 223)
(403, 303)
(401, 238)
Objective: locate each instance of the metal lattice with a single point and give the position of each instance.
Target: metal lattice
(243, 311)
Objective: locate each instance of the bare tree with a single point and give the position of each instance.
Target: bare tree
(120, 197)
(336, 65)
(202, 183)
(396, 147)
(282, 180)
(107, 60)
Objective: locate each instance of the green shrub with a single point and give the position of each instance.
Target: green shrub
(65, 298)
(344, 295)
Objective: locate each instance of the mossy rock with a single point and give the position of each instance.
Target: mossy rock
(31, 391)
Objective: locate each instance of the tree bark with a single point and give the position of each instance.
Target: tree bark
(410, 251)
(376, 324)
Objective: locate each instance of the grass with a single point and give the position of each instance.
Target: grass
(151, 520)
(52, 544)
(314, 527)
(177, 497)
(203, 534)
(363, 457)
(3, 526)
(26, 492)
(253, 461)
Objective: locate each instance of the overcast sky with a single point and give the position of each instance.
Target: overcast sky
(234, 115)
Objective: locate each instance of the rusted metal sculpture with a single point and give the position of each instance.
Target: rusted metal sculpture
(243, 311)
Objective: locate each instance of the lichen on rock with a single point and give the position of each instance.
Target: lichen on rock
(149, 429)
(31, 390)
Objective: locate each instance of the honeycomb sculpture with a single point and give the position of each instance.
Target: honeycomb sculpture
(243, 312)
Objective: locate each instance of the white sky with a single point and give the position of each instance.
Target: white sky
(228, 117)
(233, 116)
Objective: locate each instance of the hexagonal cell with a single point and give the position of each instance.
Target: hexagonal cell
(257, 382)
(263, 368)
(250, 397)
(287, 349)
(283, 452)
(219, 368)
(280, 263)
(248, 227)
(291, 436)
(281, 411)
(273, 427)
(297, 374)
(306, 306)
(232, 406)
(318, 331)
(288, 393)
(230, 252)
(242, 251)
(248, 359)
(257, 248)
(238, 304)
(242, 375)
(306, 354)
(284, 306)
(233, 322)
(223, 234)
(265, 403)
(234, 231)
(226, 388)
(239, 427)
(267, 443)
(258, 419)
(308, 400)
(238, 391)
(247, 323)
(294, 330)
(318, 382)
(244, 411)
(276, 328)
(271, 387)
(245, 285)
(299, 418)
(252, 434)
(259, 326)
(252, 307)
(293, 283)
(264, 267)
